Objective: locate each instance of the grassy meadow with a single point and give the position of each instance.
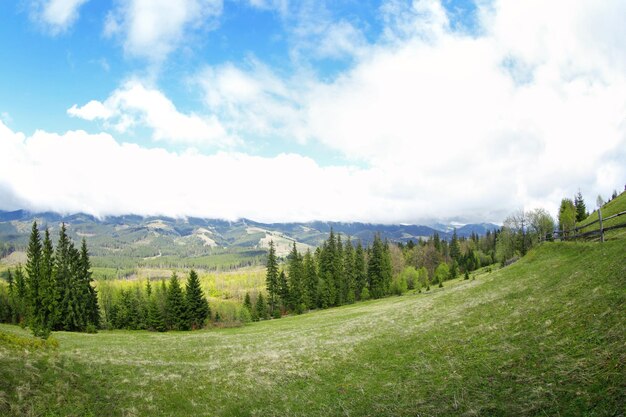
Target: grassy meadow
(544, 336)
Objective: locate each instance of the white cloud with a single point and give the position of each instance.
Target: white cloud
(521, 113)
(77, 171)
(56, 15)
(152, 29)
(134, 104)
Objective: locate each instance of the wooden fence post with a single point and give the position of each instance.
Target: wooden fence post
(601, 228)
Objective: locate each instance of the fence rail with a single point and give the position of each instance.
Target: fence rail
(575, 233)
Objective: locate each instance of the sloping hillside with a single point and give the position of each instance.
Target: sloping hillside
(544, 336)
(615, 206)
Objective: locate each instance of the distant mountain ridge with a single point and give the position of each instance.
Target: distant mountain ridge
(192, 236)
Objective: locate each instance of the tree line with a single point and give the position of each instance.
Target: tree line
(339, 272)
(167, 306)
(53, 291)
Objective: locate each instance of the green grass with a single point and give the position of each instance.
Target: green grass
(544, 336)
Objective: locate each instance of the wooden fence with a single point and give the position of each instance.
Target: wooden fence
(576, 233)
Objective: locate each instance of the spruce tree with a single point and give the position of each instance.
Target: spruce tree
(310, 280)
(581, 209)
(155, 320)
(375, 269)
(90, 295)
(47, 283)
(176, 308)
(61, 275)
(296, 279)
(387, 268)
(271, 278)
(197, 304)
(455, 248)
(349, 281)
(261, 307)
(247, 302)
(283, 289)
(338, 272)
(34, 300)
(360, 270)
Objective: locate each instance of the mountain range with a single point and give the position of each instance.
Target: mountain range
(152, 236)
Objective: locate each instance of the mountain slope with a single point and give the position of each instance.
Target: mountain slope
(544, 336)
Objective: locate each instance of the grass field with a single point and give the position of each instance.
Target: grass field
(544, 336)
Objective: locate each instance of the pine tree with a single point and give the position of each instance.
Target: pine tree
(90, 295)
(375, 269)
(454, 271)
(176, 310)
(338, 272)
(455, 248)
(61, 275)
(349, 282)
(296, 279)
(74, 318)
(247, 302)
(311, 280)
(48, 287)
(360, 270)
(581, 209)
(155, 320)
(261, 307)
(387, 268)
(271, 278)
(283, 289)
(197, 304)
(34, 300)
(148, 288)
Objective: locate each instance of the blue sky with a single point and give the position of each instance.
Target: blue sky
(389, 111)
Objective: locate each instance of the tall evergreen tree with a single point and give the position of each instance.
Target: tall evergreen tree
(176, 309)
(271, 277)
(283, 289)
(197, 304)
(360, 270)
(455, 247)
(61, 275)
(90, 295)
(338, 272)
(311, 280)
(375, 269)
(47, 283)
(581, 209)
(261, 307)
(35, 312)
(74, 318)
(349, 271)
(155, 320)
(296, 280)
(387, 268)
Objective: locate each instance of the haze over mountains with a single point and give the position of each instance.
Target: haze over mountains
(160, 235)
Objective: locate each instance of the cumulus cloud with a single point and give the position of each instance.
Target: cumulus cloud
(522, 112)
(56, 15)
(152, 29)
(134, 104)
(77, 171)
